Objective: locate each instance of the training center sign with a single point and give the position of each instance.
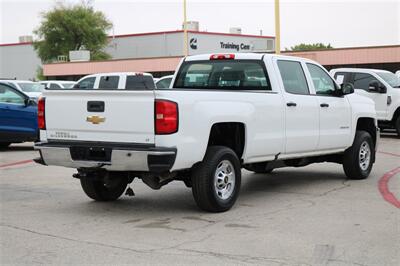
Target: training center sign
(213, 43)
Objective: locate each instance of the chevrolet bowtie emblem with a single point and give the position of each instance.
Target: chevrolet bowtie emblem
(94, 119)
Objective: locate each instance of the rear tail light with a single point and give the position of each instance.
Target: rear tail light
(166, 117)
(222, 56)
(41, 113)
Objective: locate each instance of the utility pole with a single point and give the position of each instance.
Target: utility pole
(277, 29)
(185, 32)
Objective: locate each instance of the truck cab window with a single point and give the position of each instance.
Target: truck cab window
(54, 86)
(362, 81)
(87, 83)
(323, 83)
(164, 84)
(109, 82)
(9, 96)
(139, 82)
(293, 78)
(223, 75)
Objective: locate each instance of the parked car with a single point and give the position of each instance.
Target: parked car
(383, 87)
(18, 116)
(164, 82)
(30, 88)
(58, 84)
(117, 80)
(223, 112)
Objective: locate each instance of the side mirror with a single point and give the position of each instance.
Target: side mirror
(347, 88)
(29, 102)
(375, 86)
(76, 86)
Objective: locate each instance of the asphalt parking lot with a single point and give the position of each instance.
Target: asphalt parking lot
(294, 216)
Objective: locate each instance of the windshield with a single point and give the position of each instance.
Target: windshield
(390, 78)
(31, 87)
(68, 85)
(223, 75)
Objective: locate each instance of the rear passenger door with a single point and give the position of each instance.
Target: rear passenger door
(301, 109)
(334, 110)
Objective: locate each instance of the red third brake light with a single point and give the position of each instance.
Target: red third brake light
(166, 117)
(222, 56)
(41, 113)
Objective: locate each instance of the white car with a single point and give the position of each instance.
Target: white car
(224, 112)
(164, 82)
(58, 84)
(382, 86)
(30, 88)
(116, 80)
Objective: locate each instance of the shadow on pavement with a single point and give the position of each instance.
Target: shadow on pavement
(177, 199)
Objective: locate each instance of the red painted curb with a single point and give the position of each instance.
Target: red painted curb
(384, 189)
(15, 163)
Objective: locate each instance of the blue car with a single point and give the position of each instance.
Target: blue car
(18, 116)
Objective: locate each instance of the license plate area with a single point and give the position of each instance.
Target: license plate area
(79, 153)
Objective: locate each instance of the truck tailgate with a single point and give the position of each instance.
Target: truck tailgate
(100, 115)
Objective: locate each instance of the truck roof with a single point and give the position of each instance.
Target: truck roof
(364, 70)
(119, 74)
(243, 56)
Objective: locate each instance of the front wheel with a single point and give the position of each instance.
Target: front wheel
(359, 158)
(216, 180)
(104, 187)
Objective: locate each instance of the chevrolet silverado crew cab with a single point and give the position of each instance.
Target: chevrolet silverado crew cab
(382, 86)
(223, 112)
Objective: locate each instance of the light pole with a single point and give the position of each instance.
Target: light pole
(185, 32)
(277, 29)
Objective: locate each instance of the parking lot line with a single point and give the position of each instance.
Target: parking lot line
(16, 163)
(389, 153)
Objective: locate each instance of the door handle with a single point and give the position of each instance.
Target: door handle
(324, 105)
(291, 104)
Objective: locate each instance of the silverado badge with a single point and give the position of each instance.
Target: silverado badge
(95, 119)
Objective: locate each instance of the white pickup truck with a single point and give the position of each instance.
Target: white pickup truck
(381, 86)
(222, 113)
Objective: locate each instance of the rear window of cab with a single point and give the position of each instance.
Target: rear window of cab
(223, 75)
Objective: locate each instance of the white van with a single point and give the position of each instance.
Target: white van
(117, 80)
(381, 86)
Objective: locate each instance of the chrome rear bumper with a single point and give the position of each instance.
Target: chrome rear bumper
(121, 158)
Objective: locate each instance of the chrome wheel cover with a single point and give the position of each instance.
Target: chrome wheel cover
(364, 156)
(224, 180)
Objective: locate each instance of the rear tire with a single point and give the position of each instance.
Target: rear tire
(216, 180)
(359, 158)
(108, 187)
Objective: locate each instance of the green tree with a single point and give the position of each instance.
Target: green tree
(75, 27)
(308, 47)
(39, 74)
